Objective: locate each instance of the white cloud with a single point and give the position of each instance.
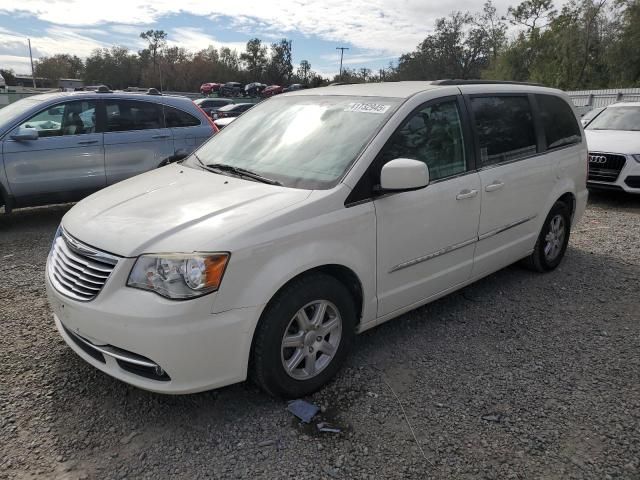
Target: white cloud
(194, 39)
(389, 26)
(52, 40)
(16, 63)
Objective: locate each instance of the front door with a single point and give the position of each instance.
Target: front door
(426, 238)
(65, 163)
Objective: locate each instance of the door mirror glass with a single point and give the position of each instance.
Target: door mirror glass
(404, 174)
(25, 133)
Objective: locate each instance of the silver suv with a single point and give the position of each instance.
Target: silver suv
(60, 147)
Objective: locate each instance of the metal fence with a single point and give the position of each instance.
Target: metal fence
(586, 100)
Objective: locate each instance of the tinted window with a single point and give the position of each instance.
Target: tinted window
(505, 128)
(617, 118)
(434, 136)
(177, 118)
(558, 121)
(72, 118)
(125, 115)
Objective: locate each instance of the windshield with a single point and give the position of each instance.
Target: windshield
(617, 118)
(301, 141)
(14, 110)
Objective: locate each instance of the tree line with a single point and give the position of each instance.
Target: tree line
(584, 44)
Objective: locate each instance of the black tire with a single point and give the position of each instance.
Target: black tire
(267, 369)
(539, 261)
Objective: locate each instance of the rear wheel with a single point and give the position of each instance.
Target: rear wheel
(552, 241)
(304, 336)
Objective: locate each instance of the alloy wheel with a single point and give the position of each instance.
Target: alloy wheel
(311, 339)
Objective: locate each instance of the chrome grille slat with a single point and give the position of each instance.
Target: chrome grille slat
(87, 263)
(82, 275)
(80, 266)
(70, 286)
(76, 281)
(77, 270)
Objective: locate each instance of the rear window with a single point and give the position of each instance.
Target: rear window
(505, 128)
(558, 121)
(177, 118)
(127, 115)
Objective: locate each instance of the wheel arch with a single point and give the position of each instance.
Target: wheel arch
(569, 199)
(341, 273)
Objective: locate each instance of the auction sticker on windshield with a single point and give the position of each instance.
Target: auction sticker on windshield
(367, 107)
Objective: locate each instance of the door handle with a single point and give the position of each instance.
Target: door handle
(87, 142)
(466, 193)
(496, 185)
(160, 136)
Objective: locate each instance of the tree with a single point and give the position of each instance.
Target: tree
(59, 66)
(255, 57)
(157, 40)
(280, 67)
(9, 76)
(114, 66)
(495, 27)
(303, 71)
(458, 48)
(533, 14)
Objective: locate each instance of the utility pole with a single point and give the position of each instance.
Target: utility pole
(33, 75)
(342, 49)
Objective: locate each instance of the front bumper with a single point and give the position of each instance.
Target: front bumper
(180, 347)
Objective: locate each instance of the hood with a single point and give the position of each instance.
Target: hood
(613, 141)
(174, 209)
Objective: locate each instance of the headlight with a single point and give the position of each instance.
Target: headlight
(636, 157)
(179, 276)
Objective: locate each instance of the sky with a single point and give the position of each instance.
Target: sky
(375, 31)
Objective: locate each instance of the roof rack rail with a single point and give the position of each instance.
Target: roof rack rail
(153, 91)
(450, 81)
(103, 89)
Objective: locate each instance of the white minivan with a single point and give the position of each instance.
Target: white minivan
(316, 215)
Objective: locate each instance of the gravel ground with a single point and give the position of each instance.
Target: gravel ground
(520, 375)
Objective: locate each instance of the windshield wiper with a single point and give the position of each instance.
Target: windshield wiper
(243, 172)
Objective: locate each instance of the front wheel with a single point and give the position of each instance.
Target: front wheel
(552, 241)
(303, 336)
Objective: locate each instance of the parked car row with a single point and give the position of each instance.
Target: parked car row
(254, 89)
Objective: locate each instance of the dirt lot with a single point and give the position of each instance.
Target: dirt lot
(520, 375)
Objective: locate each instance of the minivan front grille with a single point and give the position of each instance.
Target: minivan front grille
(78, 270)
(605, 167)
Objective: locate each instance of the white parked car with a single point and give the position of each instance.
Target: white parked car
(614, 148)
(322, 213)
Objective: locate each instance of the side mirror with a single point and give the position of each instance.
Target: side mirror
(23, 134)
(404, 174)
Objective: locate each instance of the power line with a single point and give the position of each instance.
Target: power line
(342, 49)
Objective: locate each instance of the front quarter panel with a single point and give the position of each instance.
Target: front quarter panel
(322, 232)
